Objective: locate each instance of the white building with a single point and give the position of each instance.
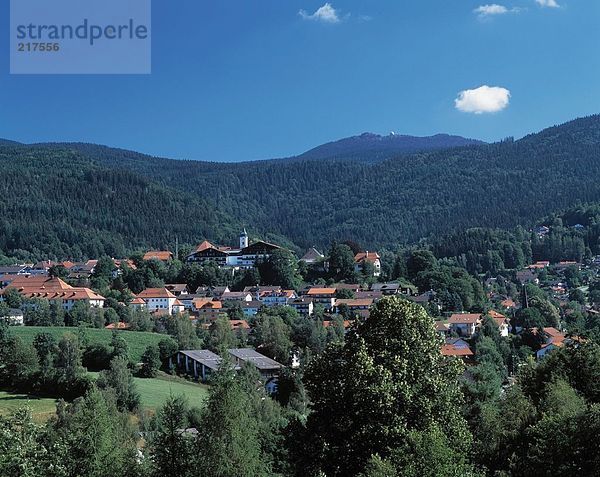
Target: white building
(161, 300)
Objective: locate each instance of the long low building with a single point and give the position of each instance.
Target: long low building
(53, 290)
(202, 363)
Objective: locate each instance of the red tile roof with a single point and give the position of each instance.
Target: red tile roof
(321, 291)
(464, 318)
(161, 255)
(368, 256)
(156, 293)
(452, 350)
(204, 246)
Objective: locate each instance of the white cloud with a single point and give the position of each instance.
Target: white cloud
(493, 9)
(486, 11)
(485, 99)
(548, 3)
(325, 14)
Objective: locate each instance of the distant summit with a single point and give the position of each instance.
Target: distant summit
(369, 147)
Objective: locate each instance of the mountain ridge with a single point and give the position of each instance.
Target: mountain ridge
(309, 202)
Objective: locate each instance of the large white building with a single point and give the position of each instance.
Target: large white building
(160, 300)
(244, 257)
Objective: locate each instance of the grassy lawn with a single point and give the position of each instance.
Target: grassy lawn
(154, 392)
(137, 341)
(41, 408)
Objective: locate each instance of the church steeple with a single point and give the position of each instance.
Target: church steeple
(244, 239)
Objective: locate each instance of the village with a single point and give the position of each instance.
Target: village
(329, 304)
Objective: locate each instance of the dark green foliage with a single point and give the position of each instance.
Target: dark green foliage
(387, 380)
(172, 449)
(63, 205)
(150, 362)
(228, 444)
(119, 379)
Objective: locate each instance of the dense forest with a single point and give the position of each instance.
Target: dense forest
(295, 202)
(58, 204)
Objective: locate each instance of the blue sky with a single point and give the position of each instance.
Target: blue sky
(248, 79)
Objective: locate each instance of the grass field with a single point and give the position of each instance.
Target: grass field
(41, 408)
(137, 341)
(154, 392)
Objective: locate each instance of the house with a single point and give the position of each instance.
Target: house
(137, 303)
(443, 329)
(464, 324)
(161, 255)
(250, 308)
(423, 298)
(527, 276)
(304, 306)
(177, 289)
(257, 290)
(356, 307)
(244, 257)
(508, 303)
(457, 347)
(54, 290)
(312, 256)
(268, 368)
(198, 363)
(554, 339)
(206, 308)
(321, 296)
(15, 270)
(374, 295)
(387, 288)
(353, 287)
(14, 317)
(277, 298)
(539, 265)
(564, 264)
(217, 292)
(236, 296)
(548, 348)
(239, 325)
(161, 300)
(202, 363)
(367, 257)
(502, 321)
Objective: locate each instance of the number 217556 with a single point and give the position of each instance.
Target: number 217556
(46, 47)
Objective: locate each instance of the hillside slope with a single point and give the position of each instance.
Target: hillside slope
(118, 199)
(59, 204)
(383, 203)
(369, 147)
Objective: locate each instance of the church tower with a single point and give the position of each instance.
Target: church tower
(244, 239)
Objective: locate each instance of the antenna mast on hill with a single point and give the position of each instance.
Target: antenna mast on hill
(176, 247)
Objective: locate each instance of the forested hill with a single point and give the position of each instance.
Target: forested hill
(370, 147)
(397, 200)
(310, 202)
(58, 204)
